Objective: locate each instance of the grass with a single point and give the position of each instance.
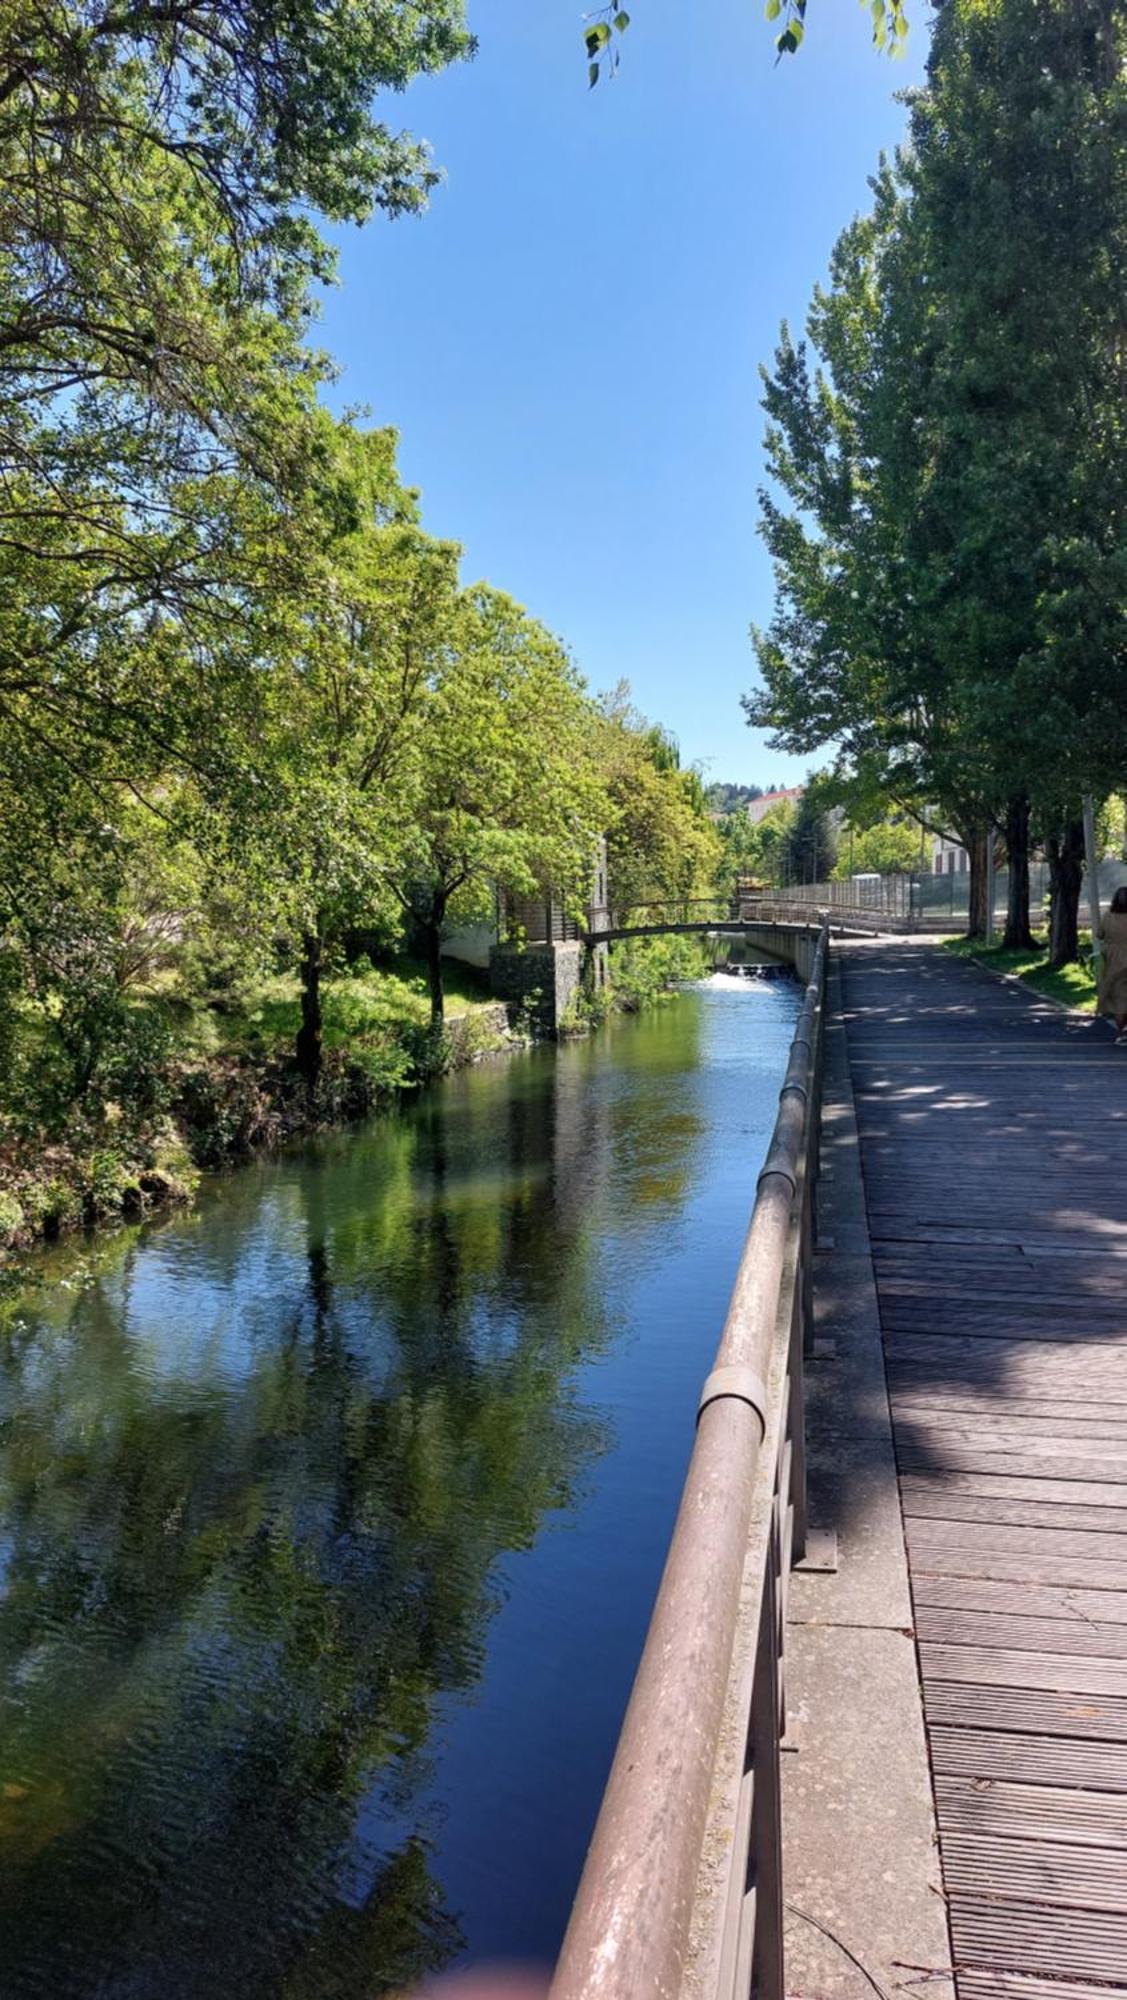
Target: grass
(367, 1001)
(1072, 984)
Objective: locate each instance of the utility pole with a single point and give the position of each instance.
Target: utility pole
(1093, 881)
(990, 882)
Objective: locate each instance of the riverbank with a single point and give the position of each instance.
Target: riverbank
(211, 1083)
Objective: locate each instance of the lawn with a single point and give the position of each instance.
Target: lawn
(1072, 984)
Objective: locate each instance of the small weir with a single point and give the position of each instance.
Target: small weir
(331, 1518)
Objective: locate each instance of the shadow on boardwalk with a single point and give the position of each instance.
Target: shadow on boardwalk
(993, 1136)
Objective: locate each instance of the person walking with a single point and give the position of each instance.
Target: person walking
(1112, 996)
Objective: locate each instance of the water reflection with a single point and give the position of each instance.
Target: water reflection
(256, 1471)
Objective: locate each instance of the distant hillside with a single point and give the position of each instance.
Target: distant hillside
(731, 798)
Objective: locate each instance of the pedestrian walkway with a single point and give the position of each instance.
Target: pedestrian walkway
(993, 1132)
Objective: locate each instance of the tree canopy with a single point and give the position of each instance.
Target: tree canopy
(949, 546)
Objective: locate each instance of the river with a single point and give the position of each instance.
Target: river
(331, 1517)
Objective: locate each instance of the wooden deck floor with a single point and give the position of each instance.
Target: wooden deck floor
(994, 1148)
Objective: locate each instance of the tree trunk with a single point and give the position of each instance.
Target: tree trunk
(1018, 936)
(1066, 874)
(307, 1049)
(974, 841)
(432, 937)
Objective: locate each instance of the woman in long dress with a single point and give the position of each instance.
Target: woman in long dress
(1113, 978)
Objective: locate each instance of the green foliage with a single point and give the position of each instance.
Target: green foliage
(661, 844)
(890, 847)
(889, 24)
(757, 850)
(642, 969)
(502, 786)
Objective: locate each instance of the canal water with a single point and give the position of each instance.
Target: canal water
(331, 1517)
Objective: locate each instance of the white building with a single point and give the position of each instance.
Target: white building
(948, 856)
(759, 808)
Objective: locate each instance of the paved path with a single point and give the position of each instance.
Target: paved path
(994, 1148)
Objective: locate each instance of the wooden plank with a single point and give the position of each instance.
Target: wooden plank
(1033, 1711)
(926, 1532)
(1047, 1419)
(1035, 1871)
(1030, 1812)
(978, 1983)
(936, 1503)
(1065, 1492)
(1012, 1539)
(1080, 1944)
(913, 1456)
(1020, 1667)
(1093, 1607)
(1075, 1638)
(1012, 1567)
(1027, 1759)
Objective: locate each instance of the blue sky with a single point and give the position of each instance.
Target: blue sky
(568, 340)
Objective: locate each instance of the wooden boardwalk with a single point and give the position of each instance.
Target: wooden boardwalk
(994, 1149)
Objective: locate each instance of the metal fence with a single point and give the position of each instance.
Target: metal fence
(740, 1526)
(925, 902)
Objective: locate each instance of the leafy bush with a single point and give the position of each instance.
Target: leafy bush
(642, 969)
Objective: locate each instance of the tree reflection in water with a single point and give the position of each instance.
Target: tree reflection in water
(256, 1471)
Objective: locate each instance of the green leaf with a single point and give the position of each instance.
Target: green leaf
(592, 40)
(786, 43)
(592, 75)
(622, 22)
(774, 9)
(796, 32)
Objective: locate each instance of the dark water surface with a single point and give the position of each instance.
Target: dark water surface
(331, 1517)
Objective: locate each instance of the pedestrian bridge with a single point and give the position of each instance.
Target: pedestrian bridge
(878, 1737)
(738, 916)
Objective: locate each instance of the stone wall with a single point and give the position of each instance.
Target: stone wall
(551, 972)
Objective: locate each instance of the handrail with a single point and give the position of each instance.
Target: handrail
(630, 1925)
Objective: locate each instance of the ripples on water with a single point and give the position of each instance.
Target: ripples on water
(331, 1516)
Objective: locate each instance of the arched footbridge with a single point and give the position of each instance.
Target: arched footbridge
(765, 923)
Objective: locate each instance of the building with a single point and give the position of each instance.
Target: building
(948, 856)
(759, 808)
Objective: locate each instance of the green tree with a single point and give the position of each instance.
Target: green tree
(162, 170)
(954, 546)
(504, 790)
(356, 656)
(890, 847)
(661, 844)
(1018, 199)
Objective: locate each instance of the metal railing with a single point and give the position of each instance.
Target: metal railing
(740, 1525)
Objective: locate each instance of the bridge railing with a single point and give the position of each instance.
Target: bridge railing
(649, 1901)
(674, 910)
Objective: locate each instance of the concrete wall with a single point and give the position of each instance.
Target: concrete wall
(787, 941)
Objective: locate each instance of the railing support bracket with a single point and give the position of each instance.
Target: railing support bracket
(820, 1554)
